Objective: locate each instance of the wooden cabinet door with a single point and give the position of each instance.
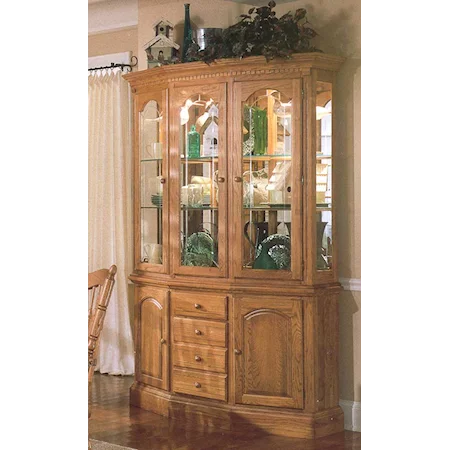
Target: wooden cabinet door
(151, 190)
(268, 338)
(266, 180)
(198, 180)
(152, 340)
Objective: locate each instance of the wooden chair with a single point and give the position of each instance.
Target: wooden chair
(100, 286)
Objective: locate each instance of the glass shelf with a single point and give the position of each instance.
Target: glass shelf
(150, 159)
(201, 160)
(322, 156)
(198, 208)
(151, 207)
(269, 207)
(267, 157)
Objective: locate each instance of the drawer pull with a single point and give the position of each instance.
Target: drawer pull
(197, 384)
(198, 358)
(237, 351)
(198, 332)
(163, 341)
(197, 306)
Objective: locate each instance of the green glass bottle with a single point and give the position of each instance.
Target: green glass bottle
(187, 36)
(193, 143)
(260, 118)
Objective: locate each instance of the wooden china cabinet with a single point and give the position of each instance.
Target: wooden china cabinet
(236, 305)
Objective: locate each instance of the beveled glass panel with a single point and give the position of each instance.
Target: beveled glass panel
(267, 180)
(200, 151)
(151, 160)
(324, 191)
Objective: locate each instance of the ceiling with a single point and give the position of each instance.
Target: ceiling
(258, 2)
(248, 2)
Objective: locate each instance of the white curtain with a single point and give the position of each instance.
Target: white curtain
(110, 220)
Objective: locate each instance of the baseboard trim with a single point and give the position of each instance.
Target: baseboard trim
(352, 414)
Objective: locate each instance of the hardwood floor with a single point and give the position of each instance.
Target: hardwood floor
(113, 420)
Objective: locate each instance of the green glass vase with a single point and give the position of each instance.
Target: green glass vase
(193, 143)
(187, 36)
(264, 261)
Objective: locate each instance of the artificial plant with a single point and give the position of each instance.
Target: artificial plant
(260, 32)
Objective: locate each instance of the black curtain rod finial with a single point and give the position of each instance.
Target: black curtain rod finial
(121, 66)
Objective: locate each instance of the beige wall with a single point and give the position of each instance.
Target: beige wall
(118, 41)
(350, 346)
(339, 28)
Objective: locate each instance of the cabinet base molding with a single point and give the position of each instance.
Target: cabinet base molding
(149, 399)
(198, 413)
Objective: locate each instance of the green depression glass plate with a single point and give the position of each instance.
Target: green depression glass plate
(199, 250)
(278, 247)
(157, 199)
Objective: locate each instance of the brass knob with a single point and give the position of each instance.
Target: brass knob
(198, 358)
(197, 385)
(237, 352)
(238, 179)
(221, 180)
(198, 332)
(163, 341)
(162, 180)
(197, 306)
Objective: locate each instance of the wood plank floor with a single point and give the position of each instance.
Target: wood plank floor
(113, 420)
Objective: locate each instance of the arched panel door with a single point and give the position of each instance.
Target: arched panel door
(199, 180)
(151, 192)
(152, 363)
(266, 180)
(268, 352)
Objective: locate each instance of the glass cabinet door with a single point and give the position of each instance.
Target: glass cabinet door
(267, 180)
(323, 177)
(151, 251)
(201, 165)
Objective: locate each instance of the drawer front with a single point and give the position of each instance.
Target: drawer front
(197, 331)
(209, 306)
(209, 385)
(204, 358)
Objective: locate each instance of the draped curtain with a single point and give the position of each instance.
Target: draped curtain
(110, 219)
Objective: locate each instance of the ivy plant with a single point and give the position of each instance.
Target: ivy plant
(260, 32)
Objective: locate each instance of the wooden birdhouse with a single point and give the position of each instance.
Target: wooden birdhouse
(161, 49)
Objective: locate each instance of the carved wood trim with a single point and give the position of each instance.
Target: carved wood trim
(299, 64)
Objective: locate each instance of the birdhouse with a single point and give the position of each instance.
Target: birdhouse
(161, 49)
(210, 131)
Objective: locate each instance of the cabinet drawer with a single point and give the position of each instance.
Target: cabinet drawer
(195, 331)
(209, 385)
(209, 306)
(204, 358)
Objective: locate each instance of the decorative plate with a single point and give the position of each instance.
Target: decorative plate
(157, 199)
(199, 250)
(278, 247)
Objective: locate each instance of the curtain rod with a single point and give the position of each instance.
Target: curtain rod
(119, 65)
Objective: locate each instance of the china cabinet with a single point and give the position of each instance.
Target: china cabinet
(236, 305)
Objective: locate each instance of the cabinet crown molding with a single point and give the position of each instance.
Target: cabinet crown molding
(299, 63)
